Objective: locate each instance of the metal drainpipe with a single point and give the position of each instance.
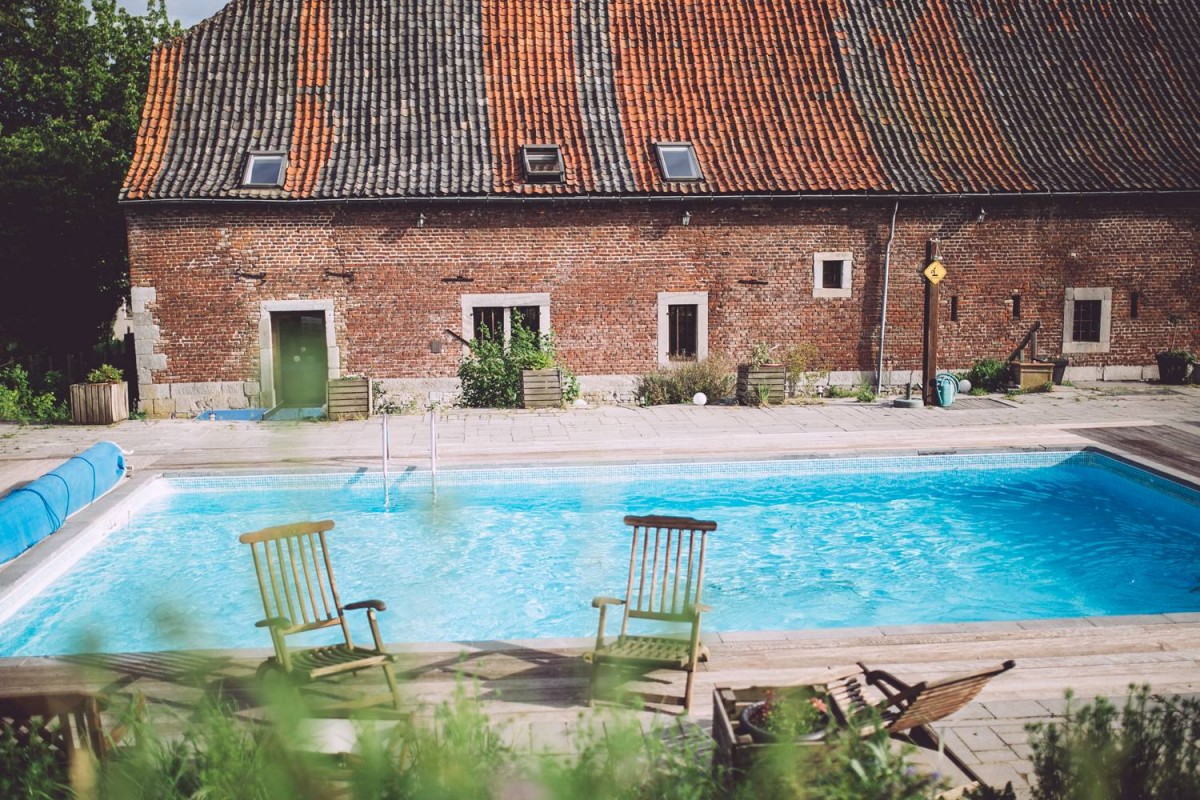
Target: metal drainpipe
(887, 263)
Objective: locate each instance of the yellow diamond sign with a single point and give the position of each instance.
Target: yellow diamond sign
(935, 272)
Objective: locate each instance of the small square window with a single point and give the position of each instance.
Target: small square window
(543, 163)
(677, 160)
(831, 274)
(265, 169)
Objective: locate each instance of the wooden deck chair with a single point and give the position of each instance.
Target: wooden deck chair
(295, 579)
(67, 722)
(907, 710)
(666, 576)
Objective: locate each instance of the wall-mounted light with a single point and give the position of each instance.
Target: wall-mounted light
(687, 219)
(982, 214)
(421, 220)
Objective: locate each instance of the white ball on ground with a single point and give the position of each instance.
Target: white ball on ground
(700, 399)
(964, 386)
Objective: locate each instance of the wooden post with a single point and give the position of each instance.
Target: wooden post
(929, 363)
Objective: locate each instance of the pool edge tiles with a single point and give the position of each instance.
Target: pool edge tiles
(30, 573)
(798, 466)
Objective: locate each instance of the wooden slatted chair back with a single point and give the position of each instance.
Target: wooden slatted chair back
(940, 699)
(295, 576)
(666, 568)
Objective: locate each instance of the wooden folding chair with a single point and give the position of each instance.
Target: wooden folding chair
(299, 594)
(907, 710)
(666, 576)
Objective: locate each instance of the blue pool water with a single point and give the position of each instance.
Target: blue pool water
(520, 554)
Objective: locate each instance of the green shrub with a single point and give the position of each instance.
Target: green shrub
(865, 393)
(990, 374)
(834, 391)
(105, 373)
(491, 372)
(1148, 750)
(805, 369)
(714, 376)
(19, 402)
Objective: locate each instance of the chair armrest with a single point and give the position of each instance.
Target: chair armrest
(598, 602)
(701, 609)
(378, 605)
(274, 622)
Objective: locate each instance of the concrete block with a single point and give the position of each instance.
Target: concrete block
(198, 389)
(139, 296)
(251, 388)
(152, 391)
(1119, 373)
(162, 407)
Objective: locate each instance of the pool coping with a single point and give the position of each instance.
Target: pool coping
(31, 572)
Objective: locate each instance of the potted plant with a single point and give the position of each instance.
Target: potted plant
(1173, 363)
(760, 380)
(102, 400)
(801, 715)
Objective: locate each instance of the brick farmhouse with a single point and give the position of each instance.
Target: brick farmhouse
(329, 188)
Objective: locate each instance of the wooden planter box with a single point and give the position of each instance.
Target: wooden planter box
(1030, 375)
(773, 376)
(736, 752)
(99, 403)
(349, 398)
(541, 388)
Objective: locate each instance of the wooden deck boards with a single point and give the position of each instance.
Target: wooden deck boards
(1168, 445)
(536, 694)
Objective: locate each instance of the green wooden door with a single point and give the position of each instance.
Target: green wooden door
(301, 358)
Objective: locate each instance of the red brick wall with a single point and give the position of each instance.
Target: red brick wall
(604, 263)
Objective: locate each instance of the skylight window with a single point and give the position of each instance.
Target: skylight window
(543, 163)
(677, 160)
(265, 169)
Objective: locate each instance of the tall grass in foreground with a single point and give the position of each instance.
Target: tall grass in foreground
(1150, 749)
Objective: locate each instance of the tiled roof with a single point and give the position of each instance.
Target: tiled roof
(434, 98)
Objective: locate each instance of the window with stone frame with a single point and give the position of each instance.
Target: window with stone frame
(1087, 320)
(832, 274)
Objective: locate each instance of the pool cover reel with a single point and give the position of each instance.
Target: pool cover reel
(33, 512)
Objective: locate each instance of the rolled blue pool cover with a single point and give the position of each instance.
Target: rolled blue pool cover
(33, 512)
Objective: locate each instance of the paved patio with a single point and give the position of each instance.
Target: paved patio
(537, 687)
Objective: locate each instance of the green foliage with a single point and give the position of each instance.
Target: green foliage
(714, 376)
(30, 770)
(985, 792)
(20, 402)
(849, 767)
(989, 374)
(491, 372)
(865, 393)
(1148, 750)
(805, 368)
(833, 391)
(105, 373)
(760, 354)
(793, 714)
(72, 84)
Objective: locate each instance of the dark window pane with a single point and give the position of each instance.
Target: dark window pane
(681, 342)
(1087, 321)
(489, 322)
(530, 317)
(831, 274)
(265, 170)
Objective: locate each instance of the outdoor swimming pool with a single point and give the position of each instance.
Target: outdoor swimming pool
(513, 554)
